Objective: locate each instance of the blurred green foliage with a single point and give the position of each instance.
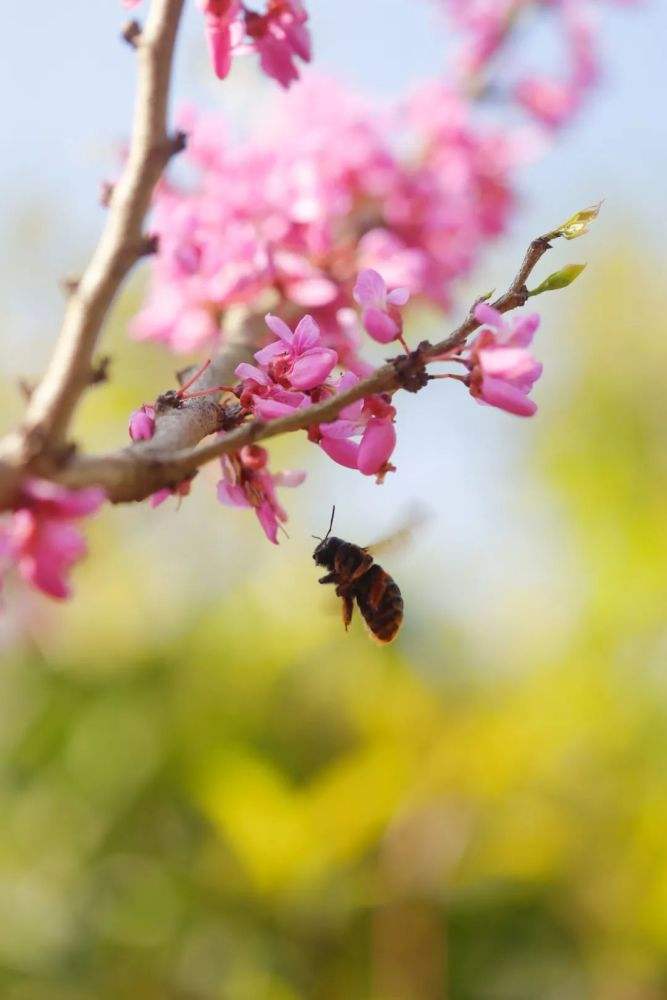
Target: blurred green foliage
(209, 792)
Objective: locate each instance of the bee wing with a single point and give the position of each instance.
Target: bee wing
(414, 518)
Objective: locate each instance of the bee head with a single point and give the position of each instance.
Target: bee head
(326, 550)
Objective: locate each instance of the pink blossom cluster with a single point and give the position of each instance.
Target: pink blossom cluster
(247, 482)
(279, 35)
(502, 371)
(294, 371)
(40, 537)
(488, 26)
(328, 189)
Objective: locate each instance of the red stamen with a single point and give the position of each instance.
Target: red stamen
(206, 392)
(200, 371)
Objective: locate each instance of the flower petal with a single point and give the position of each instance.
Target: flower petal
(159, 498)
(306, 335)
(280, 328)
(524, 330)
(245, 371)
(370, 289)
(231, 495)
(496, 392)
(376, 446)
(61, 502)
(399, 296)
(484, 313)
(343, 451)
(313, 368)
(340, 428)
(271, 351)
(271, 408)
(289, 478)
(267, 518)
(506, 362)
(380, 326)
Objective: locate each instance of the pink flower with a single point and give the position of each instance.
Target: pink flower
(40, 538)
(219, 19)
(283, 211)
(300, 281)
(369, 419)
(296, 360)
(552, 102)
(182, 489)
(279, 36)
(381, 317)
(247, 482)
(142, 423)
(555, 101)
(502, 369)
(264, 397)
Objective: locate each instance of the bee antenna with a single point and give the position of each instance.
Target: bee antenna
(333, 514)
(317, 537)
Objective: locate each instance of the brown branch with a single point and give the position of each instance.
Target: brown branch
(388, 378)
(177, 449)
(122, 243)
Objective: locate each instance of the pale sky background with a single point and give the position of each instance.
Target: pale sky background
(66, 86)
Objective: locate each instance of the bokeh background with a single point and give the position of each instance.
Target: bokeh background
(207, 790)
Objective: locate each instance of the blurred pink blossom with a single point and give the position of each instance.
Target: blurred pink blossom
(220, 17)
(324, 193)
(247, 482)
(39, 537)
(280, 36)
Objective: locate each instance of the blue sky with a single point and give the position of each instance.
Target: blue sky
(66, 86)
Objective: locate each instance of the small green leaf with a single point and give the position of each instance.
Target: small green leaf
(559, 279)
(579, 223)
(485, 298)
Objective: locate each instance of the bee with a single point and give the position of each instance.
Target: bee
(358, 577)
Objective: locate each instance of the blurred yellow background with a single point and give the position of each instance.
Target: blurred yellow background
(208, 790)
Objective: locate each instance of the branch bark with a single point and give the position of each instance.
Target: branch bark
(122, 243)
(177, 450)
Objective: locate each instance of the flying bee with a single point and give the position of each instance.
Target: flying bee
(358, 577)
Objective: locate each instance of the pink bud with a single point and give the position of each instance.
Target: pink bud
(142, 423)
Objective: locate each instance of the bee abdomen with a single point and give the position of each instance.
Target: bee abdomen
(381, 604)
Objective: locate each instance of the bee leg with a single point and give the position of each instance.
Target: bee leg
(329, 578)
(348, 608)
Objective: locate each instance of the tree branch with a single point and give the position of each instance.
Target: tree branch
(174, 453)
(122, 243)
